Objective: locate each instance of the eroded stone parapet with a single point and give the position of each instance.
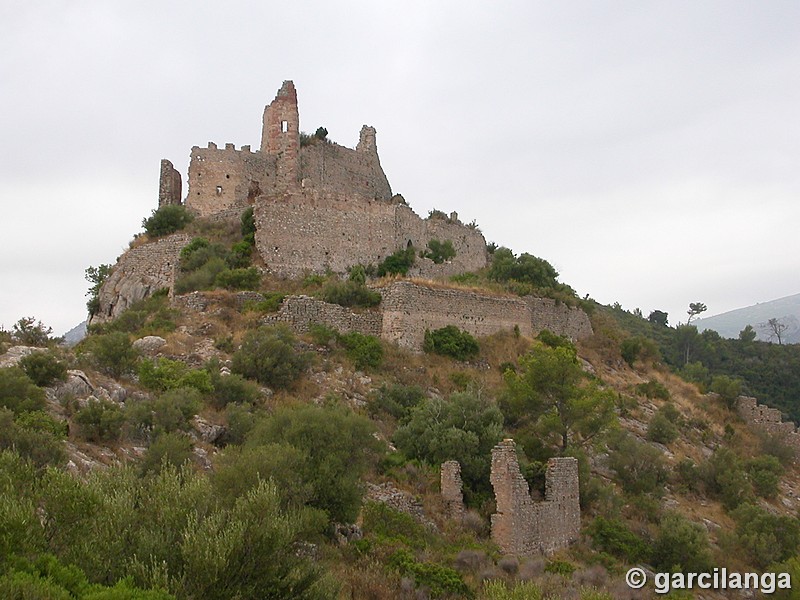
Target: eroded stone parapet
(451, 487)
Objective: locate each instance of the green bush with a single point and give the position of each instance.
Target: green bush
(239, 279)
(385, 522)
(271, 303)
(441, 580)
(239, 256)
(198, 252)
(100, 421)
(34, 436)
(203, 278)
(167, 219)
(232, 388)
(164, 374)
(525, 268)
(663, 426)
(560, 567)
(365, 351)
(323, 335)
(396, 400)
(728, 388)
(439, 252)
(548, 338)
(171, 449)
(614, 537)
(630, 349)
(653, 390)
(350, 293)
(451, 341)
(337, 447)
(43, 368)
(398, 263)
(681, 546)
(766, 538)
(28, 332)
(765, 474)
(268, 356)
(150, 316)
(495, 589)
(248, 228)
(640, 468)
(18, 393)
(112, 353)
(725, 478)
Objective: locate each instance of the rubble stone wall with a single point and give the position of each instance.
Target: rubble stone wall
(299, 312)
(451, 487)
(769, 420)
(169, 185)
(524, 527)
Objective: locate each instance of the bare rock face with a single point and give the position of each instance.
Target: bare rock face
(207, 432)
(139, 272)
(16, 353)
(150, 344)
(77, 385)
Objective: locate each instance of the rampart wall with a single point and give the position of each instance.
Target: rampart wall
(314, 231)
(138, 273)
(299, 312)
(769, 420)
(523, 527)
(567, 321)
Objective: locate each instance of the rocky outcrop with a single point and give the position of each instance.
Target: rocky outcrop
(16, 353)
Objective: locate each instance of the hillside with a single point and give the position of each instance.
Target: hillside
(786, 310)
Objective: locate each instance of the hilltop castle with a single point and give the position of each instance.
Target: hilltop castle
(318, 206)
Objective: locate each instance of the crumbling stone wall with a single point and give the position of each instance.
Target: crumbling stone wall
(314, 230)
(409, 309)
(139, 272)
(224, 179)
(280, 136)
(451, 487)
(523, 527)
(334, 168)
(299, 312)
(169, 185)
(769, 420)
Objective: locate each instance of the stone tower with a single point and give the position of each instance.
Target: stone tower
(280, 135)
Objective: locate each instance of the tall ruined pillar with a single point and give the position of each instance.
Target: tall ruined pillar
(511, 523)
(169, 184)
(280, 135)
(452, 489)
(561, 522)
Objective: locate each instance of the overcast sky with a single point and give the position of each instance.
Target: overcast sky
(649, 150)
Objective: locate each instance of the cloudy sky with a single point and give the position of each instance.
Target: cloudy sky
(649, 150)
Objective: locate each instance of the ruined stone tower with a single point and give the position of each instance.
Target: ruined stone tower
(280, 135)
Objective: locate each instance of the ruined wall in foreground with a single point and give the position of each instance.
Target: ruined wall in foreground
(139, 272)
(769, 420)
(523, 527)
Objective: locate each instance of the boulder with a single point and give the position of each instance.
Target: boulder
(16, 353)
(150, 344)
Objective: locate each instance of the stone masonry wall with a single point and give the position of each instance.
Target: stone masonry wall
(138, 273)
(451, 486)
(523, 527)
(221, 180)
(298, 312)
(315, 231)
(570, 322)
(334, 168)
(769, 420)
(169, 185)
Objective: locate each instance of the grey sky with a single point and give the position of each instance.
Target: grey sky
(649, 150)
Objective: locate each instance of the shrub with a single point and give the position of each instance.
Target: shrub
(18, 393)
(350, 293)
(525, 268)
(149, 316)
(661, 428)
(239, 256)
(560, 567)
(398, 263)
(548, 338)
(439, 252)
(726, 478)
(323, 335)
(652, 389)
(729, 389)
(100, 421)
(167, 219)
(28, 332)
(337, 445)
(765, 474)
(364, 350)
(271, 303)
(451, 341)
(630, 349)
(164, 374)
(441, 580)
(232, 388)
(239, 279)
(112, 353)
(396, 400)
(766, 538)
(172, 449)
(614, 537)
(204, 278)
(34, 436)
(268, 356)
(198, 252)
(43, 368)
(639, 467)
(681, 546)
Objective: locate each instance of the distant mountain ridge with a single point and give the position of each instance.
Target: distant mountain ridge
(786, 310)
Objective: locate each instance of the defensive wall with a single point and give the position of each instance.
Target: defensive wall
(408, 309)
(522, 526)
(769, 420)
(140, 272)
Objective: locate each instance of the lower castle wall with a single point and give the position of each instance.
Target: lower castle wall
(769, 420)
(138, 273)
(299, 312)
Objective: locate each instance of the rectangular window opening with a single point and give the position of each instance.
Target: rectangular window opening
(284, 126)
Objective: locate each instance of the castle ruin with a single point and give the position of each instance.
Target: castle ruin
(770, 421)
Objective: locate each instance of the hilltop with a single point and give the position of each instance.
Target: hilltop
(785, 310)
